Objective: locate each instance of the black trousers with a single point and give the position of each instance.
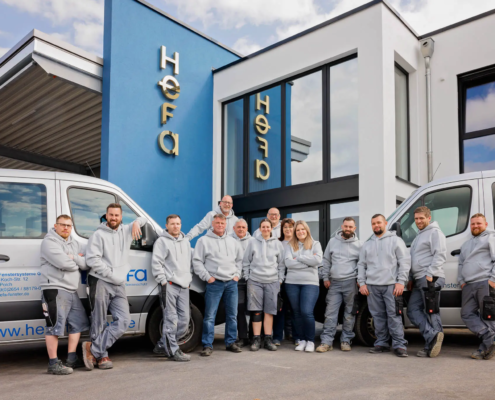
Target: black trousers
(242, 325)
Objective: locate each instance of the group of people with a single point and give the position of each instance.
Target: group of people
(281, 261)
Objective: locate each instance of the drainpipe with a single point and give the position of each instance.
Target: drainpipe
(427, 51)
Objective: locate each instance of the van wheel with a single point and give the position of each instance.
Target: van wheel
(364, 328)
(189, 341)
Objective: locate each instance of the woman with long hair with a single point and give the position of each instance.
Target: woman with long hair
(302, 259)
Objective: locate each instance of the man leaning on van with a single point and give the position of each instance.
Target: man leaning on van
(107, 255)
(61, 261)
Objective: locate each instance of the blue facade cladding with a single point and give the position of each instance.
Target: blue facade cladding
(131, 117)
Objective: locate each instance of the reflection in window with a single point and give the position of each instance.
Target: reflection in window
(233, 147)
(304, 128)
(312, 218)
(408, 225)
(401, 125)
(22, 211)
(341, 210)
(88, 208)
(128, 215)
(479, 154)
(344, 119)
(480, 107)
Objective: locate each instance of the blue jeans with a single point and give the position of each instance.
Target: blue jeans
(213, 295)
(303, 299)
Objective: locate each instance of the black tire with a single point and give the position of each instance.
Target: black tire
(193, 336)
(364, 328)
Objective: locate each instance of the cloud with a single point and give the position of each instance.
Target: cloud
(480, 109)
(245, 46)
(88, 35)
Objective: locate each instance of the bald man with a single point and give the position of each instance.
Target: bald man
(274, 217)
(224, 207)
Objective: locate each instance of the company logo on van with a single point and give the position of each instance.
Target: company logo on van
(139, 275)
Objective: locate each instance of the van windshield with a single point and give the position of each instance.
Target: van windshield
(401, 207)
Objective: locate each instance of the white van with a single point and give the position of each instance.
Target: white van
(452, 201)
(30, 201)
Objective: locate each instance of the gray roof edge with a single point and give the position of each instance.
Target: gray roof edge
(194, 30)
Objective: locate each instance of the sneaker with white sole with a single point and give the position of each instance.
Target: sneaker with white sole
(301, 346)
(310, 347)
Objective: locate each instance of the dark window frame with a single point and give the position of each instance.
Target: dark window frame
(408, 123)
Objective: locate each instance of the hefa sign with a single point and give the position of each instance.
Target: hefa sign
(262, 127)
(171, 90)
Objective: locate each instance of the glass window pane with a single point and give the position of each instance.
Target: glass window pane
(304, 130)
(255, 224)
(408, 225)
(88, 208)
(22, 211)
(128, 215)
(340, 211)
(312, 218)
(233, 147)
(480, 107)
(479, 154)
(450, 208)
(265, 140)
(344, 119)
(401, 125)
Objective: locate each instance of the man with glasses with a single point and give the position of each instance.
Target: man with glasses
(274, 217)
(224, 207)
(61, 260)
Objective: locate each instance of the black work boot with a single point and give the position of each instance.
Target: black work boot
(77, 363)
(233, 348)
(59, 369)
(269, 345)
(256, 344)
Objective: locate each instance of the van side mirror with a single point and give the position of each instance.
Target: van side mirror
(149, 236)
(454, 253)
(396, 227)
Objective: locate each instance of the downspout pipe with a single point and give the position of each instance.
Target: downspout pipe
(427, 47)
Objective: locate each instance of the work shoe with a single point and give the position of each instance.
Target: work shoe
(105, 363)
(180, 356)
(206, 352)
(436, 345)
(268, 344)
(323, 348)
(77, 363)
(379, 349)
(243, 343)
(301, 345)
(59, 369)
(310, 347)
(345, 346)
(400, 352)
(276, 342)
(233, 348)
(160, 350)
(478, 354)
(256, 344)
(88, 358)
(422, 353)
(490, 352)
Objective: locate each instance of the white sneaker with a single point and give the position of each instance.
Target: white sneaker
(310, 347)
(301, 346)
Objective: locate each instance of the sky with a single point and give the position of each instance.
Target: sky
(245, 26)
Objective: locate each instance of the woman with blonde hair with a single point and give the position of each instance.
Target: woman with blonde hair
(303, 256)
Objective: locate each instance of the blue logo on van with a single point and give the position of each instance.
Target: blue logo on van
(139, 275)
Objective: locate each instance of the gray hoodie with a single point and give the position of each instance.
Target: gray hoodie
(264, 260)
(216, 256)
(302, 265)
(341, 257)
(107, 252)
(384, 261)
(172, 259)
(205, 223)
(275, 231)
(477, 259)
(58, 270)
(244, 241)
(428, 252)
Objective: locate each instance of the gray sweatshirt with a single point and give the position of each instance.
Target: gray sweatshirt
(275, 231)
(107, 252)
(244, 241)
(263, 260)
(58, 270)
(428, 252)
(341, 257)
(384, 261)
(172, 258)
(216, 256)
(205, 223)
(302, 265)
(476, 261)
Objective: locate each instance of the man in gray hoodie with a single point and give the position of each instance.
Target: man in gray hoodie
(107, 255)
(224, 207)
(171, 267)
(61, 260)
(476, 275)
(217, 260)
(383, 269)
(339, 274)
(428, 254)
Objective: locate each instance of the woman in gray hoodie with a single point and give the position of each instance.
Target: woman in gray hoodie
(263, 269)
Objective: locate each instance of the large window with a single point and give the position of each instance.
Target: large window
(401, 124)
(339, 211)
(477, 122)
(233, 147)
(22, 211)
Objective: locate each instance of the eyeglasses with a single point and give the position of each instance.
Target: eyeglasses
(68, 226)
(274, 215)
(227, 203)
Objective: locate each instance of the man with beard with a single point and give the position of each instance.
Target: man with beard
(383, 269)
(107, 255)
(274, 217)
(224, 207)
(428, 254)
(339, 274)
(476, 275)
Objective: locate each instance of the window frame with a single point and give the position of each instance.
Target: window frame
(408, 124)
